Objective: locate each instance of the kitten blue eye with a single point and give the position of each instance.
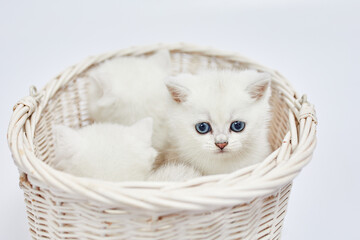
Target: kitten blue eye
(203, 127)
(237, 126)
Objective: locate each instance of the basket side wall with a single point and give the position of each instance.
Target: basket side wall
(56, 215)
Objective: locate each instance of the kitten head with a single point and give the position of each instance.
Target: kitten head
(219, 115)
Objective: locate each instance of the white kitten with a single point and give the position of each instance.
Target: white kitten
(174, 172)
(106, 151)
(127, 89)
(219, 119)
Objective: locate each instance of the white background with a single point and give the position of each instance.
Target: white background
(315, 44)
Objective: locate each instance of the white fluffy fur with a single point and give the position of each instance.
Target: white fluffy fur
(124, 90)
(219, 98)
(174, 172)
(106, 151)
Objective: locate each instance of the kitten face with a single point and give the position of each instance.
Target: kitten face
(230, 109)
(219, 118)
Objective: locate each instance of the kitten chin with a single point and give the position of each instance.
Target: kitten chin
(232, 108)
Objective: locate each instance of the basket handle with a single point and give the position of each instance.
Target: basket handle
(21, 126)
(30, 101)
(301, 136)
(306, 110)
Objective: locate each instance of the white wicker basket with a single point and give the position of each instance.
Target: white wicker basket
(247, 204)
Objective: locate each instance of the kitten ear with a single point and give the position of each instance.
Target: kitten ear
(178, 92)
(98, 88)
(162, 57)
(66, 140)
(145, 128)
(257, 89)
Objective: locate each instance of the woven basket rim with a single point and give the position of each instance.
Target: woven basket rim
(195, 194)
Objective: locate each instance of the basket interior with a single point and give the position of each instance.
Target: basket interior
(68, 106)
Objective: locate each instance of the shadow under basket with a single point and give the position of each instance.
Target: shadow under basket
(247, 204)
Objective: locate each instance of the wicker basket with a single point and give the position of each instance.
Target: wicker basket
(247, 204)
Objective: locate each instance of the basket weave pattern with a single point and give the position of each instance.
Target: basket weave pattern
(247, 204)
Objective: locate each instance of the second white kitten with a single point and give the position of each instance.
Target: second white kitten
(106, 151)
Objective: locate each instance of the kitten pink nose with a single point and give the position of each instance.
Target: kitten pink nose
(221, 145)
